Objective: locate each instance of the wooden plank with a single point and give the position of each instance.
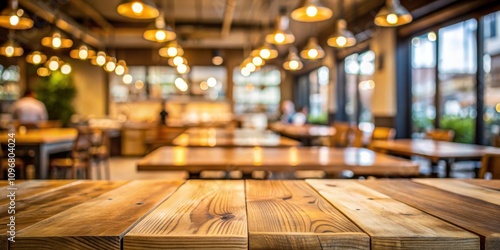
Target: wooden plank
(477, 216)
(491, 184)
(390, 223)
(29, 188)
(200, 215)
(99, 223)
(463, 188)
(291, 215)
(37, 208)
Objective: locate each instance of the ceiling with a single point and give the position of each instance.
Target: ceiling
(198, 23)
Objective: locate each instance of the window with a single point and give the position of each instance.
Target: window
(318, 96)
(158, 82)
(258, 92)
(359, 69)
(423, 51)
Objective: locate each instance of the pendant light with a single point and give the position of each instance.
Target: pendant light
(176, 61)
(36, 57)
(266, 51)
(217, 58)
(282, 34)
(53, 63)
(342, 38)
(138, 9)
(160, 32)
(100, 59)
(393, 14)
(57, 41)
(172, 49)
(293, 62)
(14, 18)
(110, 64)
(312, 50)
(11, 49)
(82, 53)
(311, 11)
(121, 68)
(43, 71)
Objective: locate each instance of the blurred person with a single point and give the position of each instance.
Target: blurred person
(287, 111)
(28, 109)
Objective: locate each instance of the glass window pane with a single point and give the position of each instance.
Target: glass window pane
(457, 79)
(423, 51)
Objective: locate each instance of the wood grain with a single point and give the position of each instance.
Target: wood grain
(464, 188)
(99, 223)
(39, 207)
(480, 217)
(390, 223)
(29, 188)
(484, 183)
(291, 215)
(48, 135)
(200, 215)
(359, 160)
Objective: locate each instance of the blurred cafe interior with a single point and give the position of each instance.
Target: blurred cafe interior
(234, 96)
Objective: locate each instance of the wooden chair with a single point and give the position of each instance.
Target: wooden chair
(99, 152)
(78, 160)
(490, 164)
(341, 136)
(440, 135)
(4, 167)
(496, 141)
(382, 134)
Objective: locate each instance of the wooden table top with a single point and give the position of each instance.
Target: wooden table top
(255, 214)
(333, 160)
(434, 149)
(218, 137)
(41, 136)
(303, 131)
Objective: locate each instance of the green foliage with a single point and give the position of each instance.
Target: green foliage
(318, 119)
(57, 93)
(463, 127)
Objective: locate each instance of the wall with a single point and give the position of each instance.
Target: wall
(91, 84)
(384, 95)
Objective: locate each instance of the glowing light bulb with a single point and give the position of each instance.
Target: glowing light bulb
(56, 42)
(392, 18)
(251, 67)
(14, 20)
(101, 59)
(311, 11)
(137, 8)
(83, 54)
(182, 68)
(294, 64)
(9, 51)
(119, 70)
(66, 69)
(110, 66)
(127, 79)
(53, 65)
(245, 72)
(172, 51)
(257, 61)
(432, 36)
(265, 53)
(36, 59)
(341, 41)
(178, 60)
(279, 37)
(312, 53)
(160, 35)
(211, 82)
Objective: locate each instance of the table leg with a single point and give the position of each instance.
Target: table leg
(194, 175)
(43, 162)
(448, 163)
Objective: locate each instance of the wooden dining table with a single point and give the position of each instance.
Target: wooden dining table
(254, 214)
(224, 137)
(42, 142)
(306, 133)
(435, 151)
(333, 161)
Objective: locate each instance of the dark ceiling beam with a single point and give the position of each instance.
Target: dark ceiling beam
(92, 13)
(228, 17)
(62, 21)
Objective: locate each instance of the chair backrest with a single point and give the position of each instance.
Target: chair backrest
(496, 141)
(440, 135)
(383, 134)
(359, 136)
(341, 136)
(490, 164)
